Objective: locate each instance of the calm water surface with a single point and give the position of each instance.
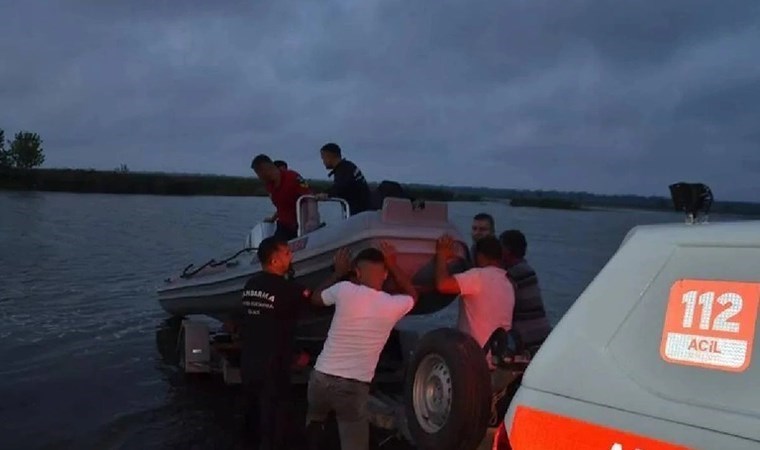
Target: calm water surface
(79, 317)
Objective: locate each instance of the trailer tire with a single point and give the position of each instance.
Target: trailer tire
(447, 393)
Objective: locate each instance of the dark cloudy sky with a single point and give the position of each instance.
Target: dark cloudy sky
(622, 96)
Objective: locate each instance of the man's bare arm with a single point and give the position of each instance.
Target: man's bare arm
(316, 296)
(403, 280)
(444, 282)
(342, 268)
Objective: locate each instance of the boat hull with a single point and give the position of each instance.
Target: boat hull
(216, 291)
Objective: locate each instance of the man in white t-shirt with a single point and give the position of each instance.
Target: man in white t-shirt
(487, 298)
(363, 320)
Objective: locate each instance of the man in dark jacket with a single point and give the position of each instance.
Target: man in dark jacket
(348, 182)
(271, 305)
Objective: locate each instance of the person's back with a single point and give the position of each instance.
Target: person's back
(284, 187)
(529, 304)
(529, 314)
(364, 317)
(286, 195)
(487, 296)
(363, 320)
(487, 302)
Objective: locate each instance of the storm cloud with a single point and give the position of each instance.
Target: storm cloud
(601, 96)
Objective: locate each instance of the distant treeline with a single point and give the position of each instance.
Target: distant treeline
(123, 181)
(587, 199)
(545, 202)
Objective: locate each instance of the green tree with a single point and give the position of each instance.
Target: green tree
(5, 157)
(26, 150)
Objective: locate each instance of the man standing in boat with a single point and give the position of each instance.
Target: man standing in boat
(363, 320)
(284, 187)
(348, 181)
(487, 298)
(271, 303)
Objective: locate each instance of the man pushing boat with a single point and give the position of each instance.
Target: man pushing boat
(487, 297)
(363, 320)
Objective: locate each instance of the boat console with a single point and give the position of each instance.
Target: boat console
(307, 211)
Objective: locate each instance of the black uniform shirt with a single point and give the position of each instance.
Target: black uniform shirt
(270, 312)
(350, 185)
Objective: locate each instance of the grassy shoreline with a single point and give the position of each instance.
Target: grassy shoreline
(123, 182)
(158, 183)
(546, 203)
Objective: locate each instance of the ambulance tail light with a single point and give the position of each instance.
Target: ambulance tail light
(501, 439)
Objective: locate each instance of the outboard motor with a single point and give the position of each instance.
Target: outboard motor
(388, 189)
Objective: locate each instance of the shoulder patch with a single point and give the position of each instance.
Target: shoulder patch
(301, 181)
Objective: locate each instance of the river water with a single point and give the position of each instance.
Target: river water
(79, 318)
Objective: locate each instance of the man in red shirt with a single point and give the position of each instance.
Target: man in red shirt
(284, 187)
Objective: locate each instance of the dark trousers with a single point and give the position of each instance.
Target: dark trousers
(348, 399)
(285, 233)
(268, 413)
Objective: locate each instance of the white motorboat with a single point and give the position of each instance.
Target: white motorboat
(215, 288)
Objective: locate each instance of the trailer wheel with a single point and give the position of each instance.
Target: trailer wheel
(447, 392)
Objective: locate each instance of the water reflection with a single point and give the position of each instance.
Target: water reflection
(89, 359)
